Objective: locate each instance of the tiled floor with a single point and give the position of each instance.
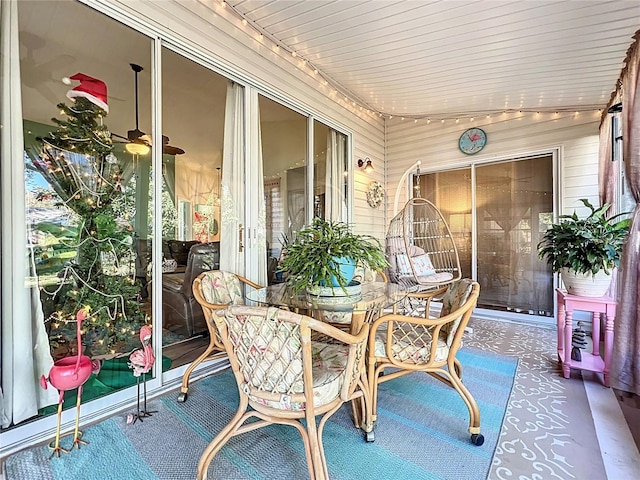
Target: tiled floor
(555, 428)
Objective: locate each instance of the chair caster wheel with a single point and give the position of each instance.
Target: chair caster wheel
(370, 437)
(477, 439)
(182, 397)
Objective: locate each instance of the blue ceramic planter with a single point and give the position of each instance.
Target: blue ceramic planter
(347, 268)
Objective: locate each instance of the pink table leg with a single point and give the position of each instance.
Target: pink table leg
(568, 332)
(608, 347)
(596, 333)
(560, 328)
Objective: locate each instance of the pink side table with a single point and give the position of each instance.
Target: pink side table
(590, 361)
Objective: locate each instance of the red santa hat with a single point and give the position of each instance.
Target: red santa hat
(90, 88)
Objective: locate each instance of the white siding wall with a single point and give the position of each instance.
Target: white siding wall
(509, 135)
(220, 37)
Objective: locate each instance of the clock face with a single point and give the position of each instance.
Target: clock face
(472, 141)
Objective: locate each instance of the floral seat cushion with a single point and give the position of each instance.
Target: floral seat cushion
(411, 343)
(271, 353)
(329, 363)
(455, 296)
(441, 277)
(222, 288)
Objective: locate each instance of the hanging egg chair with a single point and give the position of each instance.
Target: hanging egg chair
(421, 251)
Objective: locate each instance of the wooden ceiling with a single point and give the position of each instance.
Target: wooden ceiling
(422, 58)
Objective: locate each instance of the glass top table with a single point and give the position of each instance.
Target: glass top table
(374, 296)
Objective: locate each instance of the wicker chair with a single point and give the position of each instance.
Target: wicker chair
(406, 345)
(214, 290)
(422, 253)
(284, 377)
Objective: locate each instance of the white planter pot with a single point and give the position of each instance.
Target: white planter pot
(585, 284)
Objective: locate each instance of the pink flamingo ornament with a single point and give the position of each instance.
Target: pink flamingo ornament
(69, 373)
(141, 361)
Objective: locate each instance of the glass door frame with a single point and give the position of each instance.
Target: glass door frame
(555, 153)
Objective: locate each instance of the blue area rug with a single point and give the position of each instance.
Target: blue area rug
(421, 434)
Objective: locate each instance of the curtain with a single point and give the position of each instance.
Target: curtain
(169, 175)
(625, 368)
(607, 169)
(232, 202)
(259, 274)
(25, 346)
(333, 177)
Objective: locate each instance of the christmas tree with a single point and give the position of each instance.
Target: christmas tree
(77, 160)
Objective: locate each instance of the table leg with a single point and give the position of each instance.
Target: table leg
(568, 332)
(560, 328)
(595, 327)
(608, 347)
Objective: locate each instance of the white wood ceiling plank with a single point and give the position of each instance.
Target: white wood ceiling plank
(410, 55)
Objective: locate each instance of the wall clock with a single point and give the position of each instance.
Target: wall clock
(472, 141)
(375, 194)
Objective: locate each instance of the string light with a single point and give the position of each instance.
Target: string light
(353, 103)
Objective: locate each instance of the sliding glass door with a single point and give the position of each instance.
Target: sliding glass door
(151, 171)
(497, 214)
(304, 175)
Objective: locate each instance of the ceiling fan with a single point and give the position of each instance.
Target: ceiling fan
(136, 140)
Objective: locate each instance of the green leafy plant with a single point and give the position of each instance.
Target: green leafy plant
(310, 257)
(585, 245)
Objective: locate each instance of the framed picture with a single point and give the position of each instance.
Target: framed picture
(206, 223)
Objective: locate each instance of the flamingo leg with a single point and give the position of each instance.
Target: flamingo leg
(77, 434)
(146, 412)
(138, 415)
(56, 448)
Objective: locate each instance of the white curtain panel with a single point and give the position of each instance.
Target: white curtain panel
(258, 271)
(232, 202)
(25, 346)
(333, 177)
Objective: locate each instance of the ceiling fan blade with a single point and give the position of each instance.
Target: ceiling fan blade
(119, 138)
(166, 148)
(171, 150)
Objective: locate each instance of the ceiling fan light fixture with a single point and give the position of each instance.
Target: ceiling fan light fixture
(137, 148)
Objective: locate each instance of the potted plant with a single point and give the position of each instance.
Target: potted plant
(585, 250)
(325, 254)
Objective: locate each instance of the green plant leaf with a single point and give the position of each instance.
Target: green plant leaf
(589, 244)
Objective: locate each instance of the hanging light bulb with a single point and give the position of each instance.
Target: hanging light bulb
(137, 148)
